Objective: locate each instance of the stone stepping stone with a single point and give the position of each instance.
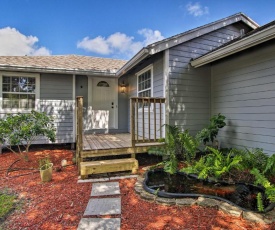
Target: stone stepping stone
(103, 206)
(99, 224)
(104, 189)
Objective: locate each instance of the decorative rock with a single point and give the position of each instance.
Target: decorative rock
(185, 201)
(138, 189)
(166, 201)
(266, 218)
(256, 217)
(202, 201)
(230, 209)
(147, 196)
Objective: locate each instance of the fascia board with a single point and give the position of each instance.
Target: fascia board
(57, 71)
(238, 46)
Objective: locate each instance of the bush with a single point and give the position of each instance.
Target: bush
(22, 129)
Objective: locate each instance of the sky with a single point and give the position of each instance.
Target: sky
(109, 28)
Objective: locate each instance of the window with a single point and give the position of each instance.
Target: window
(18, 91)
(145, 82)
(103, 84)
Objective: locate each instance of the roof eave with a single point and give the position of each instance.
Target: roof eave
(56, 70)
(143, 53)
(245, 43)
(197, 32)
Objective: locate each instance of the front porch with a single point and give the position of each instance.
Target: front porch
(146, 131)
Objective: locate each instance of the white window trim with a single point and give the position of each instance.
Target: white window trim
(149, 67)
(37, 91)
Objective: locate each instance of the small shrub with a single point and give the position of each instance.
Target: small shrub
(22, 130)
(209, 134)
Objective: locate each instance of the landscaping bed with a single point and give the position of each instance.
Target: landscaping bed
(60, 203)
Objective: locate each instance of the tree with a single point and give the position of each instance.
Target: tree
(22, 129)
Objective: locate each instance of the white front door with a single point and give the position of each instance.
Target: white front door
(104, 103)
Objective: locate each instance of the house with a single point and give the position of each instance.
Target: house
(225, 66)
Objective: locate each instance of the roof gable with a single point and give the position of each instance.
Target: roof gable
(253, 38)
(186, 36)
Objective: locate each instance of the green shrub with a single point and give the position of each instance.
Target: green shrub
(23, 129)
(215, 164)
(209, 134)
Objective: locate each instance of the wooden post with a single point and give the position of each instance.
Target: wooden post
(132, 104)
(79, 129)
(149, 117)
(155, 121)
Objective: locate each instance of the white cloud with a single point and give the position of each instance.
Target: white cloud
(12, 42)
(119, 43)
(196, 9)
(150, 36)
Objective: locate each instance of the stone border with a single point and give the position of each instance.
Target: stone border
(227, 208)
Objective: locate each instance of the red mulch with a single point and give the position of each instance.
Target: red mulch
(60, 204)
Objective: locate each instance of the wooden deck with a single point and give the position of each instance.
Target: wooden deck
(95, 145)
(92, 146)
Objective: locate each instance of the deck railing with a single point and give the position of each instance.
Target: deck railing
(147, 119)
(79, 127)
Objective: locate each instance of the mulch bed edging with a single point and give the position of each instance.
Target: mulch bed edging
(266, 218)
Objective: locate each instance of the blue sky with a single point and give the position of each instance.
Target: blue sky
(109, 28)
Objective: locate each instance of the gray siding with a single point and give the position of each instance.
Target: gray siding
(56, 99)
(189, 88)
(244, 91)
(131, 81)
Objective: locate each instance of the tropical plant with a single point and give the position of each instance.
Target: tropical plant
(214, 165)
(170, 151)
(260, 179)
(209, 134)
(190, 144)
(23, 129)
(254, 158)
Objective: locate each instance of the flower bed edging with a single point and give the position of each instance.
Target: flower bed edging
(266, 218)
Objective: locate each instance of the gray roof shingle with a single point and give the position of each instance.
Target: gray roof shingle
(63, 62)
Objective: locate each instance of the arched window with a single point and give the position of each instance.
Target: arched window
(103, 84)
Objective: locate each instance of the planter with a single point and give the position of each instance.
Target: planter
(46, 172)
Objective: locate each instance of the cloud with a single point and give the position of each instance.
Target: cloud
(196, 9)
(119, 43)
(150, 36)
(12, 42)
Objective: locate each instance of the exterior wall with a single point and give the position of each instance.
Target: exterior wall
(56, 99)
(243, 89)
(189, 88)
(131, 81)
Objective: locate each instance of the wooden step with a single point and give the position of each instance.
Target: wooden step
(105, 166)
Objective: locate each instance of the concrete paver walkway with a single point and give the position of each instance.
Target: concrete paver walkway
(98, 205)
(103, 206)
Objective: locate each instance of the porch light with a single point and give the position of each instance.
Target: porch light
(123, 87)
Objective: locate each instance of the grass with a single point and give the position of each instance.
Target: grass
(6, 204)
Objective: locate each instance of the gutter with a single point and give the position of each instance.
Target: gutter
(143, 53)
(245, 43)
(60, 71)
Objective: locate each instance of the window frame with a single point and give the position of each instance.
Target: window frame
(20, 74)
(150, 67)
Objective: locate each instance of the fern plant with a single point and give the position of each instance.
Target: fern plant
(190, 145)
(214, 164)
(260, 179)
(171, 149)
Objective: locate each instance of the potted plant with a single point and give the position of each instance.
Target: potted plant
(46, 169)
